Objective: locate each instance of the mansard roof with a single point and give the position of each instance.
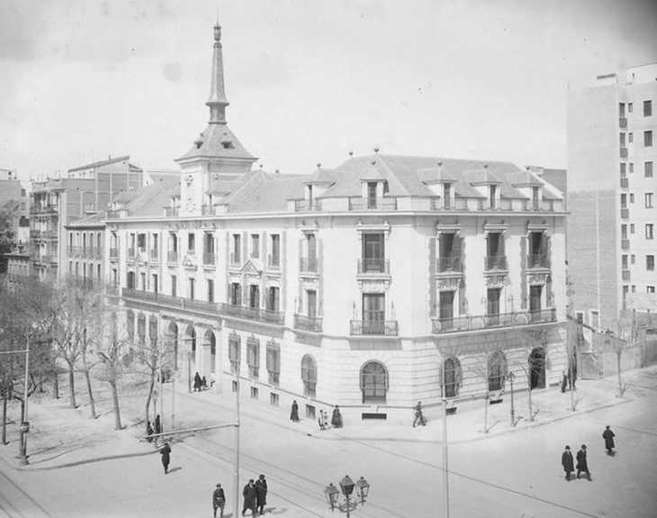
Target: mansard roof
(150, 200)
(217, 141)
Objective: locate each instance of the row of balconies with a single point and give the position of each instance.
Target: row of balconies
(90, 253)
(470, 323)
(42, 209)
(388, 203)
(454, 263)
(43, 234)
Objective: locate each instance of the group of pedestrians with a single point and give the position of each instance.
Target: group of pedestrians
(200, 383)
(254, 493)
(582, 465)
(322, 420)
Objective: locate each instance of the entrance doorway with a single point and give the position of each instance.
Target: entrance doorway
(537, 368)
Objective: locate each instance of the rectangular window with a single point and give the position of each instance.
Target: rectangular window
(595, 318)
(447, 195)
(254, 296)
(373, 253)
(648, 200)
(647, 138)
(630, 107)
(624, 261)
(210, 290)
(273, 359)
(156, 245)
(191, 288)
(208, 248)
(647, 108)
(174, 286)
(275, 258)
(621, 109)
(191, 242)
(633, 259)
(630, 137)
(255, 245)
(650, 289)
(631, 197)
(253, 356)
(631, 167)
(650, 262)
(647, 169)
(310, 411)
(274, 399)
(141, 242)
(254, 392)
(535, 198)
(235, 293)
(311, 298)
(623, 169)
(650, 231)
(154, 281)
(621, 138)
(237, 249)
(492, 196)
(371, 195)
(173, 242)
(623, 231)
(446, 309)
(373, 313)
(272, 299)
(623, 201)
(142, 281)
(631, 228)
(633, 288)
(115, 277)
(493, 305)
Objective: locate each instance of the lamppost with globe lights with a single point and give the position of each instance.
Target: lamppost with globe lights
(347, 488)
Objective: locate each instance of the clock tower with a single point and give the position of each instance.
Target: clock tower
(217, 157)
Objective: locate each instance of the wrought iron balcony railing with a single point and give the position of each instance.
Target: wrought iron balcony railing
(449, 263)
(475, 322)
(538, 261)
(307, 323)
(172, 256)
(374, 327)
(307, 205)
(209, 259)
(495, 262)
(374, 265)
(384, 203)
(308, 264)
(247, 313)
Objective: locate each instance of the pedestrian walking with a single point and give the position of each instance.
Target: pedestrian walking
(294, 413)
(582, 464)
(218, 501)
(149, 431)
(419, 416)
(158, 424)
(197, 382)
(567, 462)
(261, 494)
(249, 493)
(564, 381)
(321, 420)
(336, 418)
(608, 436)
(166, 456)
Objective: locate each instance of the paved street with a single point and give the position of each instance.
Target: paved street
(509, 474)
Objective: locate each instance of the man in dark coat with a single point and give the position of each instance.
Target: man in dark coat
(567, 462)
(582, 464)
(261, 494)
(166, 452)
(250, 495)
(158, 424)
(336, 418)
(294, 413)
(197, 382)
(218, 501)
(564, 381)
(419, 416)
(149, 431)
(608, 436)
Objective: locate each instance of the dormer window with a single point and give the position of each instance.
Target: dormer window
(309, 192)
(492, 195)
(371, 195)
(227, 144)
(447, 195)
(535, 197)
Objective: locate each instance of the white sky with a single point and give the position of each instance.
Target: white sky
(308, 81)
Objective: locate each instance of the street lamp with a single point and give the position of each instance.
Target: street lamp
(347, 488)
(511, 377)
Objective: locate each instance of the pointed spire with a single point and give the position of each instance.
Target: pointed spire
(217, 101)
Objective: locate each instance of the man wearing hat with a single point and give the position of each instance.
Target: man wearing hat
(218, 501)
(582, 464)
(261, 494)
(567, 462)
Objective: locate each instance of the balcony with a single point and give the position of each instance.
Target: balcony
(449, 263)
(625, 244)
(373, 265)
(449, 205)
(625, 275)
(209, 259)
(246, 313)
(114, 253)
(172, 256)
(538, 261)
(171, 212)
(372, 203)
(495, 262)
(308, 264)
(624, 183)
(306, 323)
(622, 122)
(373, 328)
(307, 206)
(623, 152)
(171, 301)
(473, 323)
(625, 213)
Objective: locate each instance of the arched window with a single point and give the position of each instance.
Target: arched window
(309, 375)
(253, 356)
(173, 336)
(374, 382)
(451, 377)
(141, 329)
(234, 352)
(152, 329)
(536, 362)
(211, 341)
(496, 370)
(190, 335)
(273, 362)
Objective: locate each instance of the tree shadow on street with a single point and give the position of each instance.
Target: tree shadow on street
(96, 459)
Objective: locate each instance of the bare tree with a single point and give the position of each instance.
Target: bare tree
(492, 372)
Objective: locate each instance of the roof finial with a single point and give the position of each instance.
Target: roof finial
(351, 153)
(217, 101)
(319, 164)
(376, 149)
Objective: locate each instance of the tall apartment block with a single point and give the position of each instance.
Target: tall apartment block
(58, 201)
(612, 150)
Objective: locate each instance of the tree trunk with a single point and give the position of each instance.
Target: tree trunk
(92, 401)
(71, 385)
(115, 406)
(486, 413)
(56, 384)
(529, 399)
(4, 420)
(150, 394)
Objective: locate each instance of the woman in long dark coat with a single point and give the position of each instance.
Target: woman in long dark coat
(249, 494)
(166, 452)
(294, 413)
(197, 382)
(608, 436)
(336, 418)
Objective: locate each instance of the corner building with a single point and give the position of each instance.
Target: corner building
(357, 286)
